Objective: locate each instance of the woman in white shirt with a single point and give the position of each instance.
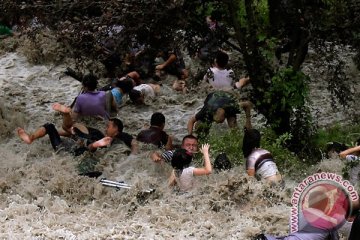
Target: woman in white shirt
(183, 174)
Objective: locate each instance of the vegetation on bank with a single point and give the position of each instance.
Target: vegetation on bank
(230, 142)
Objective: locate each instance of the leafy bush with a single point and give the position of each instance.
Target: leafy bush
(230, 142)
(345, 134)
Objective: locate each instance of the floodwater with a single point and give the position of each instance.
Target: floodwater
(43, 197)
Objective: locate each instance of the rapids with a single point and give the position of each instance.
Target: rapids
(43, 197)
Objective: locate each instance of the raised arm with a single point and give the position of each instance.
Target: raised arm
(207, 169)
(170, 60)
(191, 124)
(242, 82)
(172, 179)
(349, 151)
(134, 146)
(169, 145)
(250, 172)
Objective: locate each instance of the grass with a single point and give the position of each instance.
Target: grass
(230, 142)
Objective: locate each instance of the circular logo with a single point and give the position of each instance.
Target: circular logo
(325, 206)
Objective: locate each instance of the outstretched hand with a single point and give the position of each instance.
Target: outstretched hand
(160, 67)
(205, 148)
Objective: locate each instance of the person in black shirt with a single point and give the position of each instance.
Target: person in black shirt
(156, 134)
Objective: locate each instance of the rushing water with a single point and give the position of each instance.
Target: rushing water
(43, 197)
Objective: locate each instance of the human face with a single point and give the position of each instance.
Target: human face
(111, 129)
(190, 145)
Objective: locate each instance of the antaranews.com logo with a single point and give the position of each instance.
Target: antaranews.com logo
(321, 201)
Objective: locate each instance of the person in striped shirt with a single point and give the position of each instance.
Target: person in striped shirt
(189, 143)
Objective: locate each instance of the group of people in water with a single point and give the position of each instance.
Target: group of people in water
(220, 104)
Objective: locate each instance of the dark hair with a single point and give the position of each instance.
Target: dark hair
(222, 162)
(181, 159)
(126, 85)
(90, 81)
(335, 147)
(251, 140)
(134, 95)
(222, 59)
(157, 119)
(118, 123)
(189, 137)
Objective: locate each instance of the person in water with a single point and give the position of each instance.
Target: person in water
(183, 174)
(218, 106)
(90, 102)
(80, 138)
(219, 76)
(144, 91)
(351, 156)
(189, 143)
(320, 222)
(156, 134)
(258, 161)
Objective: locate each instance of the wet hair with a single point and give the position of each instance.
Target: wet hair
(251, 140)
(157, 119)
(189, 137)
(335, 147)
(181, 159)
(118, 123)
(135, 95)
(222, 59)
(90, 81)
(222, 162)
(126, 85)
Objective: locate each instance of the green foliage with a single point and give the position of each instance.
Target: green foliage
(288, 162)
(286, 97)
(268, 48)
(261, 13)
(289, 88)
(230, 142)
(337, 133)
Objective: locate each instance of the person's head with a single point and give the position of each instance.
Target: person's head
(334, 148)
(221, 59)
(90, 82)
(251, 140)
(219, 115)
(222, 162)
(158, 120)
(181, 159)
(114, 127)
(137, 96)
(125, 85)
(190, 143)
